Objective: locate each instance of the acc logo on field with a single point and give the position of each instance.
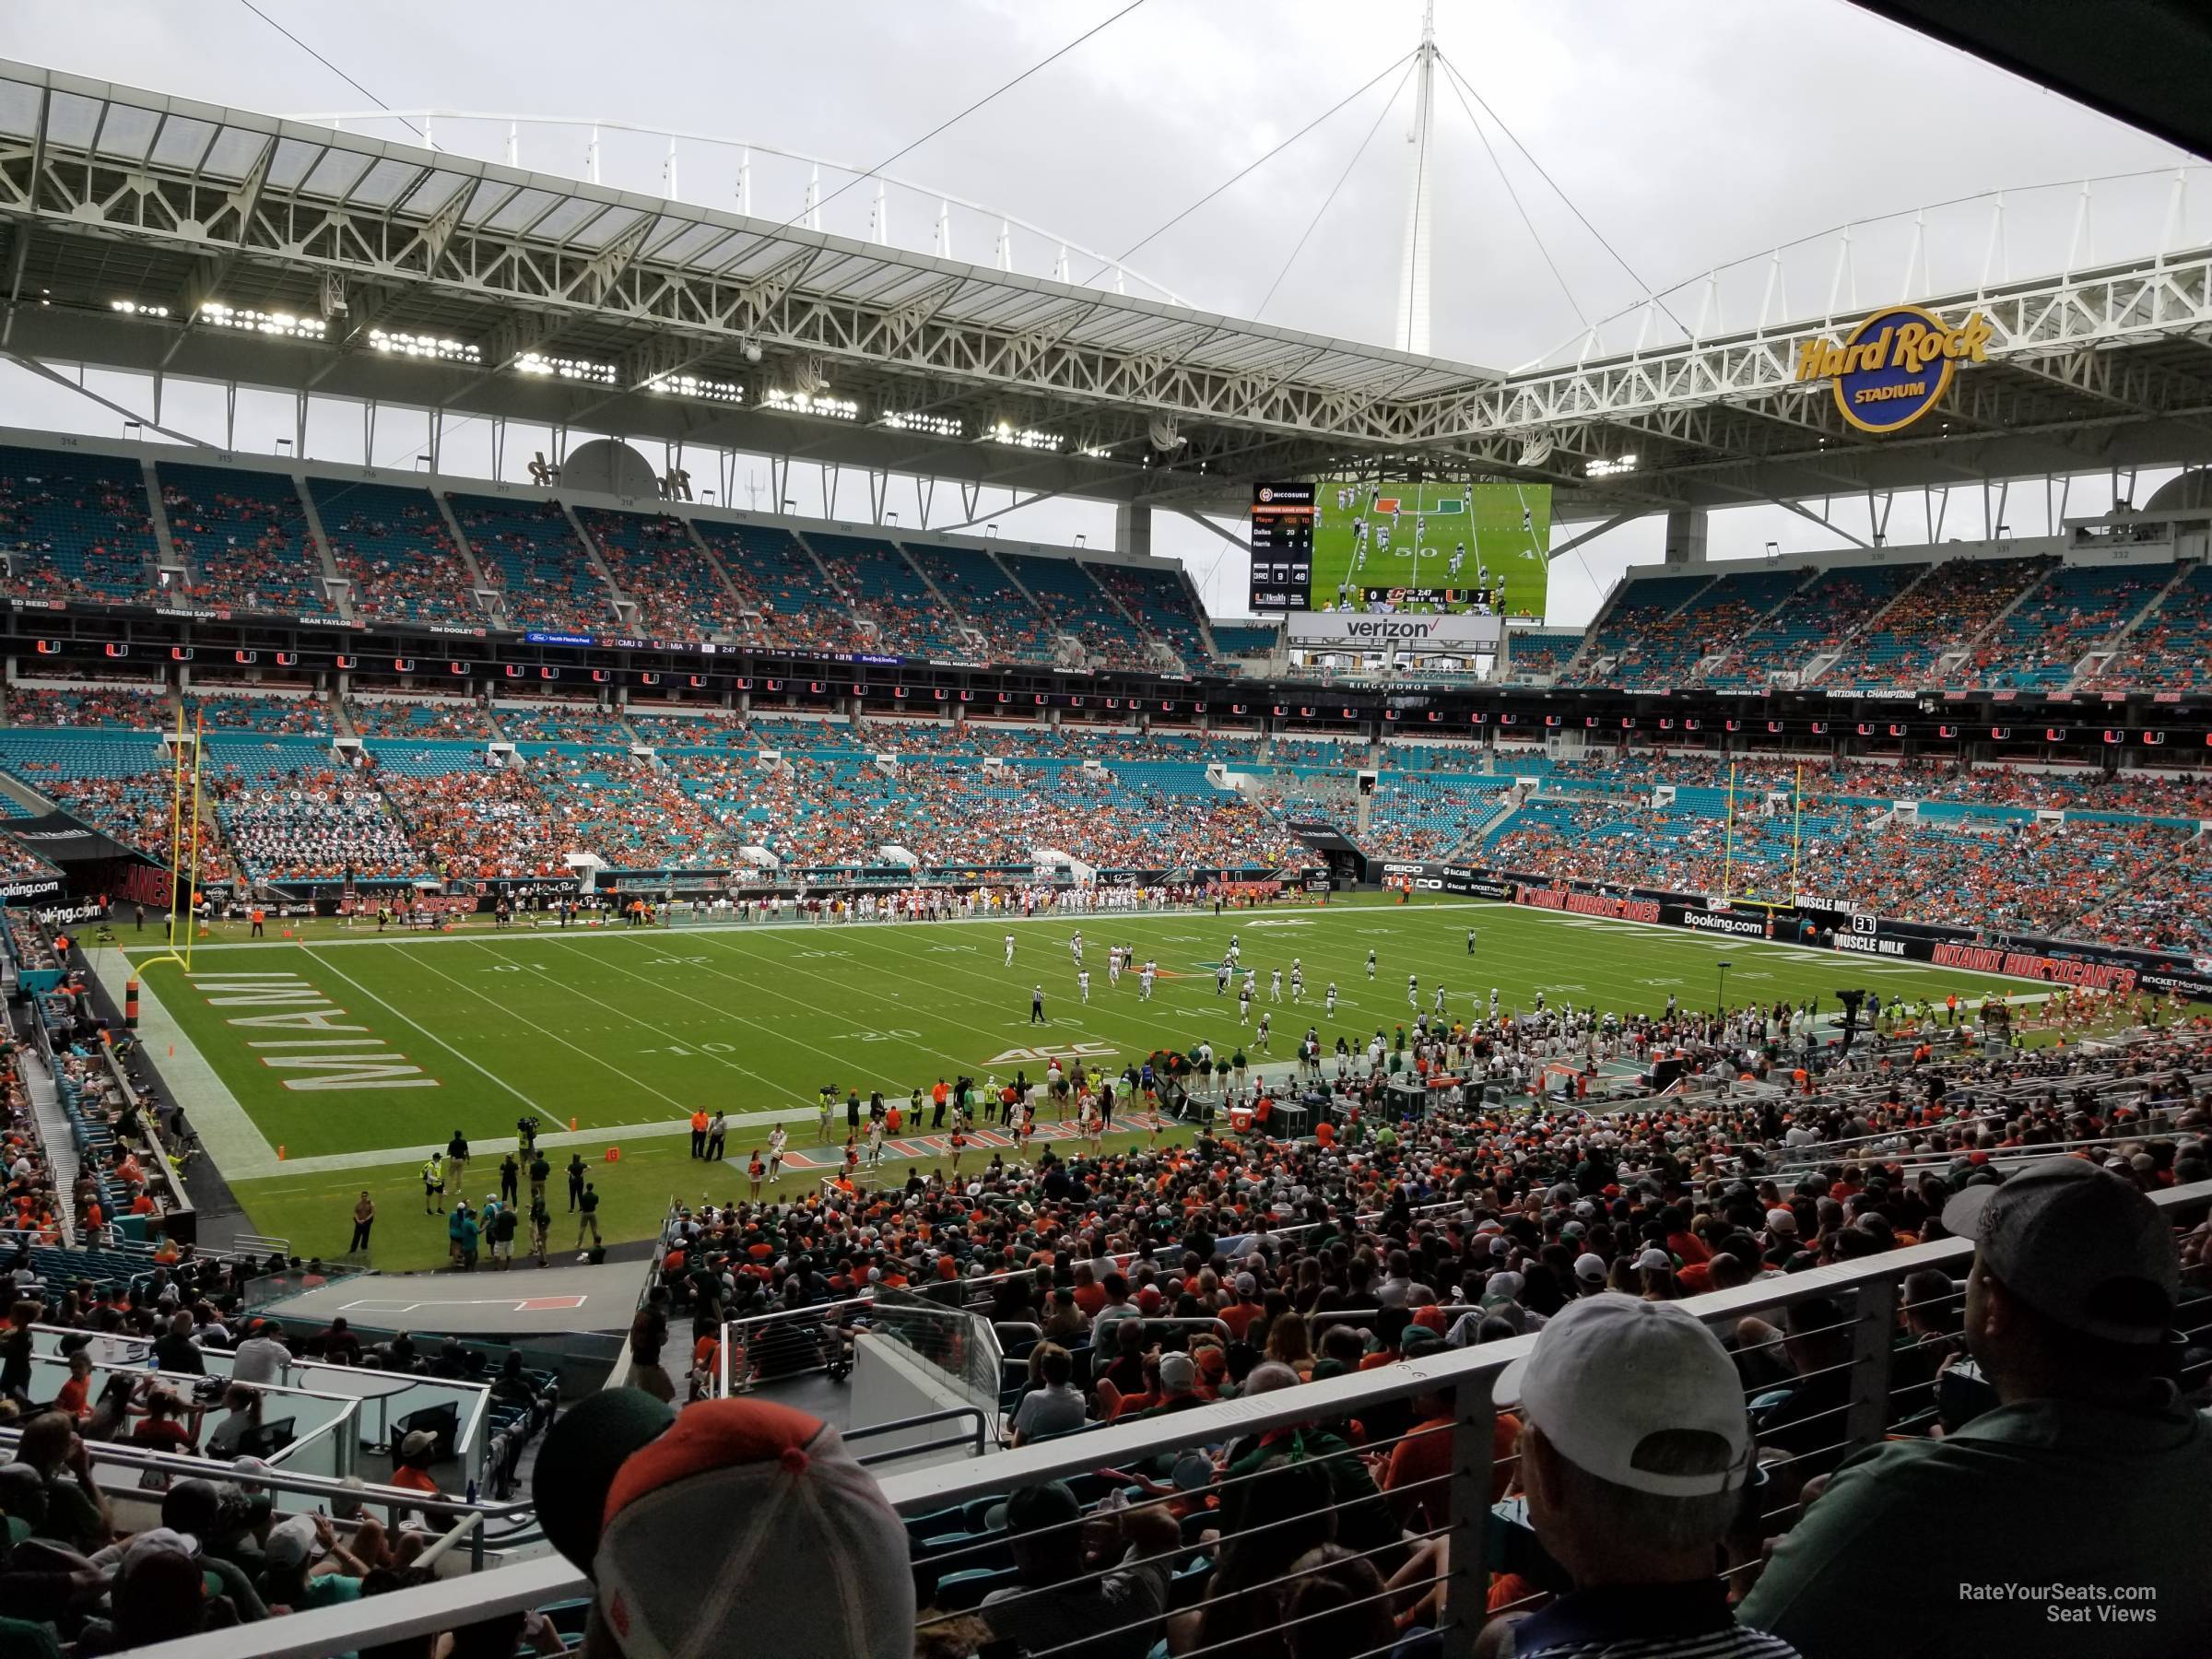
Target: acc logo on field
(1896, 366)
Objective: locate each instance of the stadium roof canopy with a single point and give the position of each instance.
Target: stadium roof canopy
(146, 232)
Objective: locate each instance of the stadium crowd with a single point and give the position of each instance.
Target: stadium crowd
(1213, 1262)
(1162, 1279)
(93, 706)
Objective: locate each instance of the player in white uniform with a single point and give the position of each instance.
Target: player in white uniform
(1528, 520)
(1244, 1005)
(1298, 983)
(1251, 984)
(1261, 1037)
(1009, 950)
(1413, 991)
(1114, 965)
(1274, 985)
(1221, 971)
(1144, 981)
(1075, 948)
(1439, 1005)
(1332, 999)
(1493, 1002)
(1371, 964)
(1083, 984)
(1458, 558)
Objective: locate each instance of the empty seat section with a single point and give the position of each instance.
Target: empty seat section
(679, 594)
(1073, 602)
(1814, 620)
(2171, 648)
(75, 526)
(244, 540)
(1639, 607)
(1950, 606)
(990, 600)
(885, 586)
(1162, 603)
(787, 603)
(2077, 608)
(528, 550)
(393, 543)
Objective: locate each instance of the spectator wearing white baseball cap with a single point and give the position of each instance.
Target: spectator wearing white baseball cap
(2089, 1473)
(1634, 1453)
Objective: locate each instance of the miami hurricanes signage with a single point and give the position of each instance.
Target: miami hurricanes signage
(1896, 366)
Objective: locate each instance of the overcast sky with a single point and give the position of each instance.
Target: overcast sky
(1690, 134)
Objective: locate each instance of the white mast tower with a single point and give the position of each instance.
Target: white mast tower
(1412, 334)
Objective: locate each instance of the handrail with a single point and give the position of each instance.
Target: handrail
(1467, 1374)
(922, 1420)
(278, 1479)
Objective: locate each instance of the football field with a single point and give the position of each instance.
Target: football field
(1432, 522)
(333, 1062)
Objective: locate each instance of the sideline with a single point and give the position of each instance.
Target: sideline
(228, 1136)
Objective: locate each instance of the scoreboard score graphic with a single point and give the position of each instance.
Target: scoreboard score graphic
(1282, 546)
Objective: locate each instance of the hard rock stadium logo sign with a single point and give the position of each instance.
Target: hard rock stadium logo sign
(1896, 366)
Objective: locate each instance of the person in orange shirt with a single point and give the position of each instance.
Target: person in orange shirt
(75, 1396)
(1416, 1475)
(698, 1133)
(412, 1468)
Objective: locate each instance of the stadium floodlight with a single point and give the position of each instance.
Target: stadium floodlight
(131, 308)
(936, 426)
(424, 346)
(1029, 438)
(248, 319)
(697, 385)
(1604, 469)
(566, 367)
(822, 403)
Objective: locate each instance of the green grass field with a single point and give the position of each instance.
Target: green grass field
(351, 1052)
(1485, 518)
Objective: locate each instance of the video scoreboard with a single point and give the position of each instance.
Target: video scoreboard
(1282, 546)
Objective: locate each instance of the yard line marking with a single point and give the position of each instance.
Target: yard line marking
(522, 1019)
(441, 1042)
(849, 986)
(842, 1061)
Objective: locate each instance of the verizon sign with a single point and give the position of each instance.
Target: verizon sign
(1367, 630)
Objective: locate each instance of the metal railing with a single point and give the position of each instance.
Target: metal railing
(1459, 1510)
(959, 1346)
